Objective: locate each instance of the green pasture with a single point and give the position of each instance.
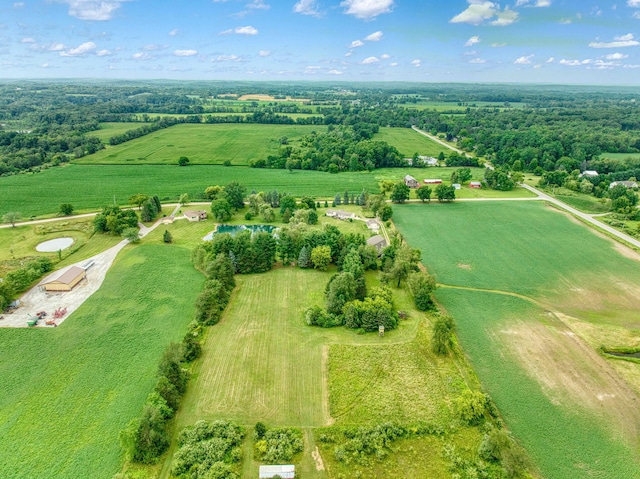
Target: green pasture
(91, 187)
(109, 129)
(202, 144)
(515, 261)
(263, 363)
(408, 142)
(620, 156)
(68, 391)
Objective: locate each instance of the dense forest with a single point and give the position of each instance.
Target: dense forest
(520, 128)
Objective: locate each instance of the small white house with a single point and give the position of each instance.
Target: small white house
(341, 214)
(285, 471)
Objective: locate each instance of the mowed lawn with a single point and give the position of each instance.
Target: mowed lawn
(408, 142)
(566, 403)
(87, 186)
(202, 144)
(68, 391)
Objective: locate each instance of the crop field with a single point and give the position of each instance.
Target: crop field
(518, 286)
(408, 142)
(91, 187)
(620, 156)
(202, 144)
(68, 391)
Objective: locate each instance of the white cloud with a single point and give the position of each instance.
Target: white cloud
(141, 56)
(174, 32)
(96, 10)
(103, 53)
(56, 47)
(417, 63)
(154, 47)
(335, 72)
(619, 42)
(374, 37)
(385, 56)
(633, 3)
(45, 65)
(498, 45)
(367, 9)
(19, 5)
(227, 58)
(472, 41)
(84, 49)
(636, 15)
(394, 64)
(524, 60)
(575, 63)
(264, 53)
(616, 56)
(565, 21)
(477, 60)
(248, 30)
(551, 60)
(348, 54)
(356, 44)
(370, 60)
(535, 3)
(185, 53)
(307, 7)
(258, 5)
(480, 11)
(27, 40)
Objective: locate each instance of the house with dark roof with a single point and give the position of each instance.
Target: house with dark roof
(410, 181)
(378, 242)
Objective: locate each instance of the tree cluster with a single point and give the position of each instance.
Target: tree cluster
(208, 450)
(278, 445)
(114, 220)
(20, 279)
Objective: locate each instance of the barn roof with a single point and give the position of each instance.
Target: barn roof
(283, 471)
(68, 276)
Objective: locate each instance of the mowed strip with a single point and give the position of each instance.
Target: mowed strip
(261, 362)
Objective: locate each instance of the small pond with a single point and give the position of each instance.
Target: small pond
(54, 245)
(235, 229)
(633, 354)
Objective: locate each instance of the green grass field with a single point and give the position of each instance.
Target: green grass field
(560, 397)
(620, 156)
(67, 392)
(202, 144)
(408, 142)
(91, 187)
(109, 129)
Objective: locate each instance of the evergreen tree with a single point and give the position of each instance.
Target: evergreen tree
(166, 237)
(304, 258)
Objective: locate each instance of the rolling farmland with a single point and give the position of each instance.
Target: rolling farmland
(517, 283)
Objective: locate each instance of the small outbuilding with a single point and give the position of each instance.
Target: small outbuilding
(195, 215)
(457, 186)
(588, 173)
(67, 280)
(287, 471)
(475, 184)
(432, 181)
(373, 225)
(378, 242)
(410, 181)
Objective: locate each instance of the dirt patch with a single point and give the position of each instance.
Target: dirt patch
(574, 376)
(626, 251)
(317, 458)
(464, 266)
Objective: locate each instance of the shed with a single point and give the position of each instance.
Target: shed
(284, 471)
(67, 280)
(589, 173)
(475, 184)
(432, 181)
(195, 215)
(378, 241)
(457, 186)
(410, 181)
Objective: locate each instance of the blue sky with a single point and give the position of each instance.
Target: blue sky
(549, 41)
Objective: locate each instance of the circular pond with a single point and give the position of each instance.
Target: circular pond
(54, 245)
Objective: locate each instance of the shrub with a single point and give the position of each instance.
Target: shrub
(442, 340)
(470, 406)
(279, 445)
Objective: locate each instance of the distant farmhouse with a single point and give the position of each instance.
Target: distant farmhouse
(426, 160)
(627, 184)
(195, 215)
(341, 215)
(410, 181)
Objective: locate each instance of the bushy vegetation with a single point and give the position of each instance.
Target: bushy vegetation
(18, 280)
(208, 450)
(279, 445)
(114, 220)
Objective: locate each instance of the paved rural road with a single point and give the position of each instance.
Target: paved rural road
(438, 140)
(588, 218)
